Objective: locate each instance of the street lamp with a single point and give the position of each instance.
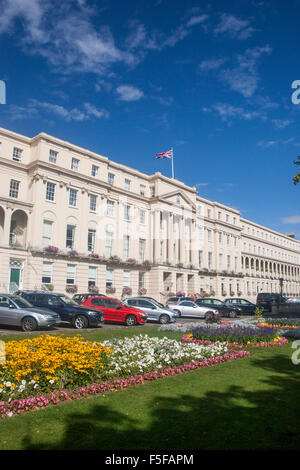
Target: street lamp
(281, 285)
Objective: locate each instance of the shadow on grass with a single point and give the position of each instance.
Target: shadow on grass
(264, 415)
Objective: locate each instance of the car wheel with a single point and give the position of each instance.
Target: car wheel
(232, 314)
(178, 313)
(208, 314)
(80, 322)
(130, 320)
(29, 324)
(163, 319)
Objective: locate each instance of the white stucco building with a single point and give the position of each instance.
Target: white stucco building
(70, 217)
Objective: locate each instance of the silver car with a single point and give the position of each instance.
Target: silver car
(187, 308)
(154, 311)
(16, 311)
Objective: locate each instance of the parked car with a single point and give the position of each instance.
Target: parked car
(154, 311)
(265, 299)
(80, 298)
(116, 311)
(153, 300)
(175, 300)
(69, 311)
(224, 309)
(246, 307)
(293, 299)
(187, 308)
(16, 311)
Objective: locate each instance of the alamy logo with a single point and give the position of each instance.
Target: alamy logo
(295, 358)
(295, 95)
(2, 92)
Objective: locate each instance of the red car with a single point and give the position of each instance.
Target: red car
(115, 311)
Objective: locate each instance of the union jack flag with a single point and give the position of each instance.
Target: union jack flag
(168, 154)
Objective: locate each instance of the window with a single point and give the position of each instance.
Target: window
(220, 261)
(70, 274)
(93, 202)
(228, 239)
(109, 277)
(47, 273)
(47, 233)
(92, 276)
(14, 188)
(152, 191)
(17, 154)
(227, 218)
(126, 241)
(219, 215)
(52, 156)
(75, 164)
(70, 237)
(142, 247)
(209, 260)
(220, 237)
(127, 184)
(235, 263)
(142, 190)
(141, 280)
(50, 191)
(108, 244)
(200, 259)
(228, 262)
(91, 240)
(126, 278)
(142, 216)
(73, 197)
(127, 212)
(95, 170)
(111, 178)
(110, 206)
(209, 235)
(208, 213)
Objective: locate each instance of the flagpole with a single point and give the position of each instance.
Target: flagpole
(172, 164)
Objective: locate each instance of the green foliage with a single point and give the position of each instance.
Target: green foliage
(258, 313)
(297, 176)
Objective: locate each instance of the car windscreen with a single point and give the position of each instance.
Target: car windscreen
(21, 303)
(67, 300)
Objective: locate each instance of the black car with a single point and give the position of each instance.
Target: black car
(80, 298)
(225, 310)
(247, 308)
(266, 299)
(70, 312)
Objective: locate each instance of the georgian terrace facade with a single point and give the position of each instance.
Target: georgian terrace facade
(71, 219)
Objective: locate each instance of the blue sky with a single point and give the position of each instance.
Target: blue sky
(130, 79)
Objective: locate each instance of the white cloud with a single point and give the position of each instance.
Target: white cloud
(234, 27)
(271, 143)
(129, 93)
(211, 64)
(228, 112)
(294, 219)
(244, 77)
(35, 109)
(281, 123)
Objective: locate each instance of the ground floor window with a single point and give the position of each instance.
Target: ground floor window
(47, 273)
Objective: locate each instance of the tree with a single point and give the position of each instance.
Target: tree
(297, 176)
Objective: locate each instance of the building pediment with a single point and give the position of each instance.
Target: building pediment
(178, 198)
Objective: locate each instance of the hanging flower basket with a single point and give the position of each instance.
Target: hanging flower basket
(142, 291)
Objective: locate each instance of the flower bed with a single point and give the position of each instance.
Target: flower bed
(235, 336)
(49, 362)
(19, 406)
(284, 323)
(45, 370)
(277, 341)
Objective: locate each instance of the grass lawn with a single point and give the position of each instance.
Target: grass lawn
(250, 403)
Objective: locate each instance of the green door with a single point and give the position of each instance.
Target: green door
(15, 276)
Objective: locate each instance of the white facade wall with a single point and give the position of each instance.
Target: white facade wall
(152, 225)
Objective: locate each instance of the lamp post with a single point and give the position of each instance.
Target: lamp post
(281, 285)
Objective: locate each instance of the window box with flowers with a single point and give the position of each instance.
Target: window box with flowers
(93, 289)
(71, 289)
(180, 294)
(110, 290)
(51, 249)
(231, 293)
(239, 293)
(142, 291)
(126, 291)
(48, 287)
(131, 261)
